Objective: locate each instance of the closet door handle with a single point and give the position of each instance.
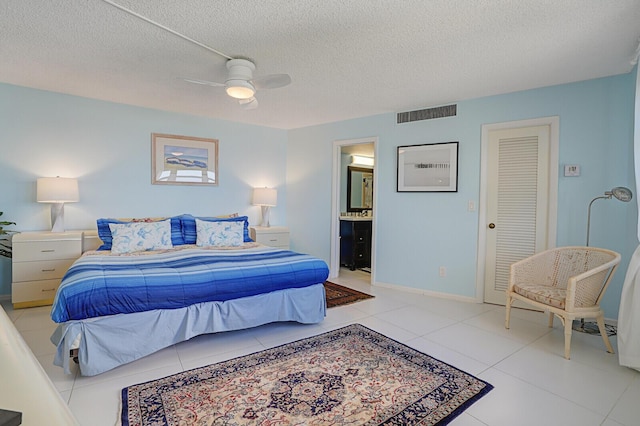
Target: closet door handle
(492, 225)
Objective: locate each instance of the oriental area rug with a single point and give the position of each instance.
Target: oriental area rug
(338, 295)
(348, 376)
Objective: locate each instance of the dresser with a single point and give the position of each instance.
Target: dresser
(39, 261)
(355, 242)
(274, 236)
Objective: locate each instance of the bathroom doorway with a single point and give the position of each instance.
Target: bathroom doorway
(353, 210)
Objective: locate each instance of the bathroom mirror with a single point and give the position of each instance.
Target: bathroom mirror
(359, 189)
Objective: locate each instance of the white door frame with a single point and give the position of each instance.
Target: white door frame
(554, 142)
(334, 268)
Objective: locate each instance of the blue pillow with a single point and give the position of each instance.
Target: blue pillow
(105, 233)
(190, 235)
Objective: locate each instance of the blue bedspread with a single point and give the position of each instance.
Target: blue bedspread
(103, 284)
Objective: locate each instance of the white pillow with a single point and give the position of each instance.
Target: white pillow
(140, 236)
(219, 233)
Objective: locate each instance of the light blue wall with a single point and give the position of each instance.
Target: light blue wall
(107, 146)
(418, 232)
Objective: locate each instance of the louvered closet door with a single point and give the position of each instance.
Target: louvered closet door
(517, 202)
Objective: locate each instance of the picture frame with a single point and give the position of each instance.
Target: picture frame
(183, 160)
(428, 167)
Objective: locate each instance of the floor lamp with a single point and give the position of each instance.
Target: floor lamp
(620, 193)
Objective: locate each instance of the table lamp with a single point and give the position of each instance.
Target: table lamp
(57, 191)
(265, 198)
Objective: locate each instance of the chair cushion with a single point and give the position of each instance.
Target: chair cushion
(552, 296)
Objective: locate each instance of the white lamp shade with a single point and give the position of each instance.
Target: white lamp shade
(265, 197)
(57, 190)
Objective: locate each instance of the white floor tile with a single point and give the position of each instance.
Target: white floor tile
(444, 354)
(627, 409)
(388, 329)
(590, 387)
(519, 329)
(34, 319)
(215, 343)
(418, 321)
(192, 363)
(38, 340)
(515, 402)
(475, 343)
(534, 384)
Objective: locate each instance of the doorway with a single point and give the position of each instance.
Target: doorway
(344, 153)
(519, 181)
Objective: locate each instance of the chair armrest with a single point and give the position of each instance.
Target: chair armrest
(586, 289)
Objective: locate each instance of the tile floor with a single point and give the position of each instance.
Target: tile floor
(534, 384)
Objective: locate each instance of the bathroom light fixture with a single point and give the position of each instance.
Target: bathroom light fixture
(361, 160)
(57, 191)
(619, 192)
(265, 198)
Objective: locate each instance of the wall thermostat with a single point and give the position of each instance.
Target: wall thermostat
(571, 170)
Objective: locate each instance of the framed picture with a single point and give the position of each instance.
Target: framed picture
(428, 168)
(183, 160)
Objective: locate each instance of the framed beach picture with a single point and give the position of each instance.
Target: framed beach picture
(183, 160)
(428, 168)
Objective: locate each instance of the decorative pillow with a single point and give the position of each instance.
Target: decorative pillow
(140, 236)
(219, 233)
(104, 232)
(189, 226)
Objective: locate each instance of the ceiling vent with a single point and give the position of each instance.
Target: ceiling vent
(427, 114)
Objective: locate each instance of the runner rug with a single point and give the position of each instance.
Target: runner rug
(349, 376)
(338, 295)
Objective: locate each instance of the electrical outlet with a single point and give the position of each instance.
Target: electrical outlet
(443, 271)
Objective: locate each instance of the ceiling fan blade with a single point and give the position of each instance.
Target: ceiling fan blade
(251, 103)
(205, 82)
(272, 81)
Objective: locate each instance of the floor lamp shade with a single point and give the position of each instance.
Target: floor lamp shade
(57, 191)
(265, 198)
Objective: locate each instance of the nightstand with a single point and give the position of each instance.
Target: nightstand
(40, 259)
(274, 236)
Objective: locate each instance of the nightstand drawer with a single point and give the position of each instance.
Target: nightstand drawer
(43, 270)
(280, 239)
(40, 260)
(274, 236)
(46, 250)
(31, 291)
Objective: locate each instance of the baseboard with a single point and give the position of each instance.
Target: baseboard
(427, 292)
(610, 321)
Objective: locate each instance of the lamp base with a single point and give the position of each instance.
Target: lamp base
(57, 217)
(265, 216)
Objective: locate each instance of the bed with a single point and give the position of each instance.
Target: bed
(114, 307)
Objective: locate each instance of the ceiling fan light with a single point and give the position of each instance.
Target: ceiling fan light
(240, 89)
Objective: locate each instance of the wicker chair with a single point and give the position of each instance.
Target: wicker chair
(567, 282)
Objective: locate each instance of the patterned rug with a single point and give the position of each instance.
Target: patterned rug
(338, 295)
(349, 376)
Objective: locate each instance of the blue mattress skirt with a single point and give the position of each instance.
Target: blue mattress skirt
(106, 342)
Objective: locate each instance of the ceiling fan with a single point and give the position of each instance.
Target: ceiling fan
(241, 85)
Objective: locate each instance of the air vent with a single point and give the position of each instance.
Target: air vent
(427, 114)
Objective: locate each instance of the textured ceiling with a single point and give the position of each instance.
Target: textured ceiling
(347, 58)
